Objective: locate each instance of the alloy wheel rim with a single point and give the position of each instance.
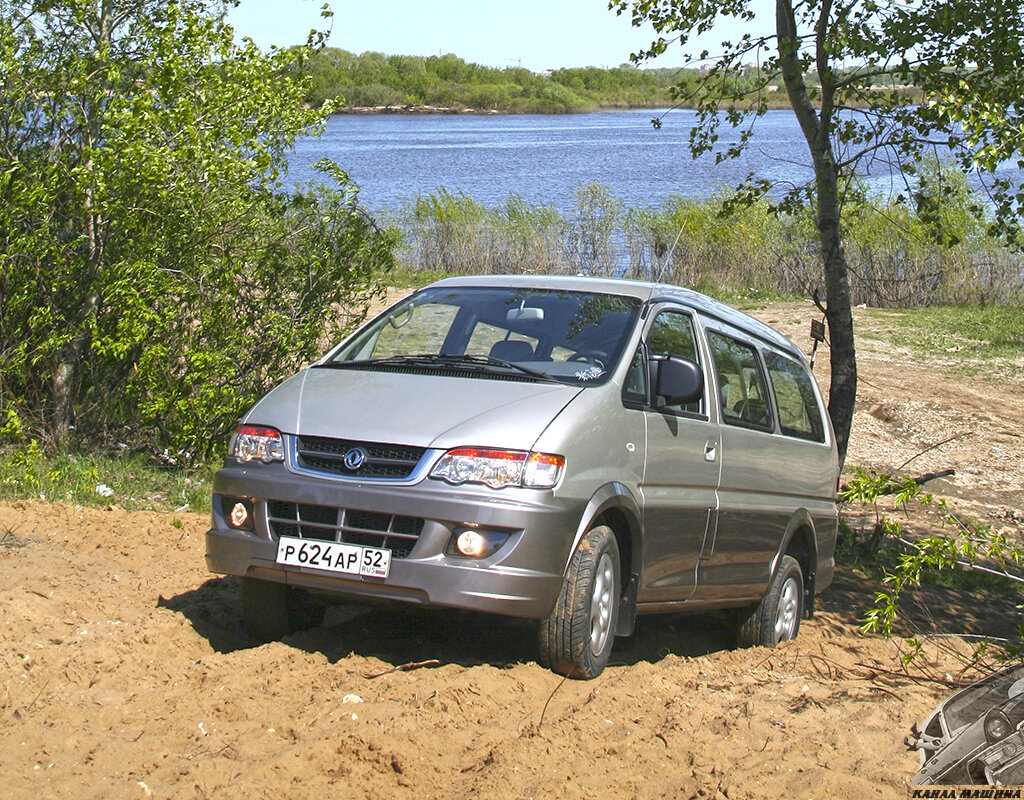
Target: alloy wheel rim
(602, 601)
(786, 614)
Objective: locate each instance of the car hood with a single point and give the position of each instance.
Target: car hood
(421, 410)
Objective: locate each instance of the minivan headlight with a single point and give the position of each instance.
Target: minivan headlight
(254, 443)
(499, 468)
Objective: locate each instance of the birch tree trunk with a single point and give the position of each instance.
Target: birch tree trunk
(816, 126)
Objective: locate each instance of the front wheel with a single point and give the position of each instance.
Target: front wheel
(576, 640)
(777, 617)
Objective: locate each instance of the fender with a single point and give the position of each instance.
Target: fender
(801, 519)
(615, 496)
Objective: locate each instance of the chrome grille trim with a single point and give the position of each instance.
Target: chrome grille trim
(325, 457)
(394, 532)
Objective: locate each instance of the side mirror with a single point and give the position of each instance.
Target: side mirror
(676, 380)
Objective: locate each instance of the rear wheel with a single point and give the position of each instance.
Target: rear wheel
(273, 610)
(777, 617)
(576, 640)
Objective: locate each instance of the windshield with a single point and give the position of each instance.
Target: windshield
(972, 703)
(572, 337)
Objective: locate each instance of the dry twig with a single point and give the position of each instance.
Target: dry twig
(932, 447)
(431, 662)
(544, 710)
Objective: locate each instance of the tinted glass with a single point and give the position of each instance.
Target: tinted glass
(741, 386)
(672, 335)
(799, 414)
(577, 337)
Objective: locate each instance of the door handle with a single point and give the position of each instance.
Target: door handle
(711, 451)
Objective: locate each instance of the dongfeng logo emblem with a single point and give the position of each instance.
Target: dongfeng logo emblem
(355, 458)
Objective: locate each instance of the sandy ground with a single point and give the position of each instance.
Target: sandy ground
(126, 674)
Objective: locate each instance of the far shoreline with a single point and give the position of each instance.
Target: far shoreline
(412, 109)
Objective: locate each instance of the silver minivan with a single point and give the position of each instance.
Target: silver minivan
(571, 450)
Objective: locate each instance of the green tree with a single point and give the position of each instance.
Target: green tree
(847, 114)
(155, 279)
(968, 57)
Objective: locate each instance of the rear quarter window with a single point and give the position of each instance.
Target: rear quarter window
(799, 412)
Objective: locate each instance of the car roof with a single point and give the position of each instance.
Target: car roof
(643, 290)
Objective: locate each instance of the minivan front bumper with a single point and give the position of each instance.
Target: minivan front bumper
(515, 580)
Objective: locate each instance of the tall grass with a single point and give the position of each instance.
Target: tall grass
(132, 481)
(453, 233)
(931, 250)
(695, 243)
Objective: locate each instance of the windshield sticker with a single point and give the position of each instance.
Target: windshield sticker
(589, 374)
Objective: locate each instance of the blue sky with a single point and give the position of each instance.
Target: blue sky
(538, 34)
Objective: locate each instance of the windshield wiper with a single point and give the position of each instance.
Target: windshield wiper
(445, 359)
(418, 358)
(484, 361)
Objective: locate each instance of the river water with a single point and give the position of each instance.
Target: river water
(545, 157)
(394, 157)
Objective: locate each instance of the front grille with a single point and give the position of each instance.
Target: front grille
(321, 454)
(328, 523)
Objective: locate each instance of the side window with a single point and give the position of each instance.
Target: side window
(741, 388)
(799, 413)
(672, 334)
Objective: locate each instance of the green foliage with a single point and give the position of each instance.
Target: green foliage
(968, 58)
(375, 79)
(969, 550)
(704, 244)
(593, 229)
(945, 205)
(131, 481)
(738, 251)
(441, 221)
(931, 244)
(851, 115)
(406, 278)
(155, 278)
(935, 71)
(451, 233)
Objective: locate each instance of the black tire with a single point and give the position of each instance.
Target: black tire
(576, 640)
(777, 617)
(271, 610)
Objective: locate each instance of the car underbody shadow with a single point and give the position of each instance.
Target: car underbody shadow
(214, 610)
(400, 634)
(689, 635)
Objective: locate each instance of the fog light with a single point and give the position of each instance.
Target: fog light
(239, 515)
(470, 543)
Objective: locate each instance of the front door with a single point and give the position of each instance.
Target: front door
(680, 480)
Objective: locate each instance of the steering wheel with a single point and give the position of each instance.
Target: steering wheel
(596, 357)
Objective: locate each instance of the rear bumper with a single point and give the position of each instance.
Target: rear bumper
(521, 579)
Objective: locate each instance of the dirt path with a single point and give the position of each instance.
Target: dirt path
(125, 673)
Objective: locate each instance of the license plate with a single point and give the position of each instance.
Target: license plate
(347, 559)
